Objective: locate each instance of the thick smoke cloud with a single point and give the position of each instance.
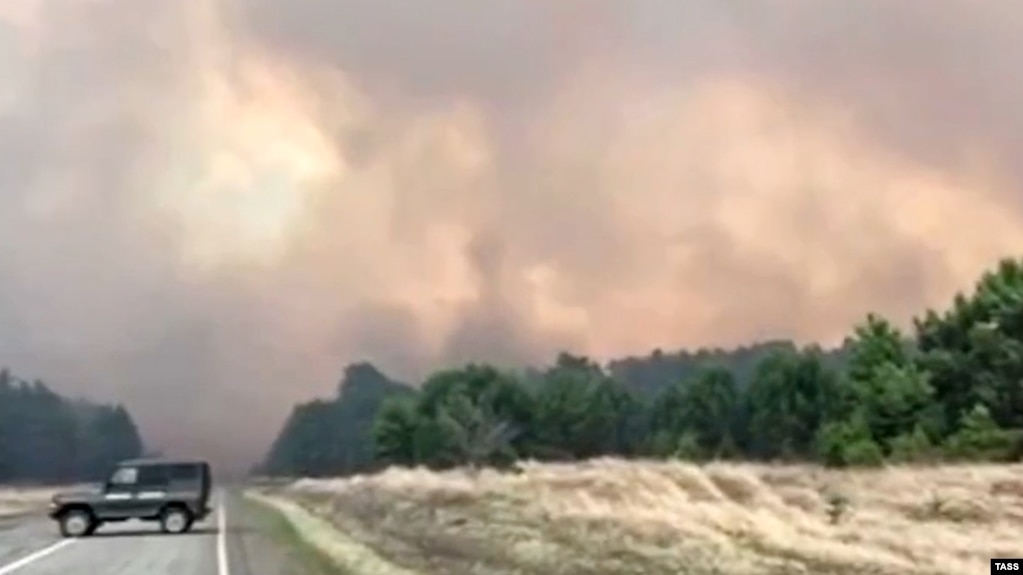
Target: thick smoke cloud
(209, 207)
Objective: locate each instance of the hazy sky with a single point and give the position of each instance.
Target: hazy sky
(208, 208)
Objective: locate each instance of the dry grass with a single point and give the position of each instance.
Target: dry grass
(614, 517)
(17, 500)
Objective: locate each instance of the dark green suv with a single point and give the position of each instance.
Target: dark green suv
(175, 493)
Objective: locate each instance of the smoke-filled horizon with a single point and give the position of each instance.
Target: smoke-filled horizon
(209, 207)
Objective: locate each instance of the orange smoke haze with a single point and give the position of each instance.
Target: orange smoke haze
(211, 207)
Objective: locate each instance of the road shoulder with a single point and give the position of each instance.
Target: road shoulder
(262, 541)
(319, 536)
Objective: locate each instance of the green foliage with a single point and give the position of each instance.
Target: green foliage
(952, 388)
(886, 403)
(581, 412)
(791, 397)
(848, 443)
(863, 453)
(701, 415)
(394, 431)
(979, 437)
(49, 438)
(474, 415)
(974, 350)
(913, 447)
(336, 436)
(838, 506)
(687, 446)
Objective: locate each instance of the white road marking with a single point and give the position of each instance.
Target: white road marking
(222, 568)
(12, 567)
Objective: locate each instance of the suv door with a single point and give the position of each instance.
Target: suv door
(119, 494)
(186, 485)
(150, 490)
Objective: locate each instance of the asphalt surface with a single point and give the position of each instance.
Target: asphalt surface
(235, 540)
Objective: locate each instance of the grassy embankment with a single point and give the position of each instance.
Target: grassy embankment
(616, 518)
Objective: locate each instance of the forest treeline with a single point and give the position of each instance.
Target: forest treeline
(45, 437)
(950, 388)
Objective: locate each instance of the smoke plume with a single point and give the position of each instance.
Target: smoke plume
(209, 206)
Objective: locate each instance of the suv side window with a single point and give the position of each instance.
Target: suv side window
(124, 477)
(183, 472)
(152, 476)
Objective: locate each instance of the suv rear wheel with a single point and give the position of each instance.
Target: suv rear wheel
(77, 523)
(175, 520)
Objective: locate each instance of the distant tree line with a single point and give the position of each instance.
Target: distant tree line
(45, 437)
(949, 389)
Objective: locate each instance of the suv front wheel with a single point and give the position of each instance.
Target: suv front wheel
(175, 520)
(76, 523)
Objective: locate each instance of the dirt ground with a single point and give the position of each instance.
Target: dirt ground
(18, 500)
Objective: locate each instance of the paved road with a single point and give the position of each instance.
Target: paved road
(32, 546)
